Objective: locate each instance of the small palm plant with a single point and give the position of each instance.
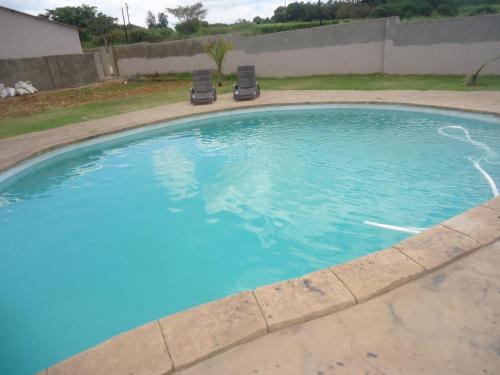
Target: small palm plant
(472, 79)
(217, 51)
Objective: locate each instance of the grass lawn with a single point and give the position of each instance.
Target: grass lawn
(51, 109)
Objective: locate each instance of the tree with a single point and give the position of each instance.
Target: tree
(79, 16)
(151, 20)
(101, 26)
(258, 20)
(345, 10)
(448, 9)
(481, 9)
(162, 20)
(138, 34)
(189, 17)
(187, 28)
(385, 10)
(217, 51)
(279, 14)
(189, 12)
(296, 11)
(320, 16)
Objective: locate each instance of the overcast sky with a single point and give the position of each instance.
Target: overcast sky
(218, 10)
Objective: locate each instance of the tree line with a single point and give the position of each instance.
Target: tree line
(331, 10)
(97, 29)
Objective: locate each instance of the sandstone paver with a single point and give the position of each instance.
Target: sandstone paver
(297, 300)
(494, 204)
(376, 273)
(437, 246)
(141, 351)
(206, 330)
(480, 223)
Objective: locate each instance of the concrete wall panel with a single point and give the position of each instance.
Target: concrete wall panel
(36, 70)
(455, 46)
(341, 59)
(133, 65)
(467, 30)
(51, 72)
(445, 58)
(316, 37)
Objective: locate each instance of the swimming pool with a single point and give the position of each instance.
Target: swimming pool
(100, 239)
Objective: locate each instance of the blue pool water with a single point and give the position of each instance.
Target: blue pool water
(101, 239)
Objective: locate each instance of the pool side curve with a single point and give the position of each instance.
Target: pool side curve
(181, 340)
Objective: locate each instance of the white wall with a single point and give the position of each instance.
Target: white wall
(24, 36)
(449, 58)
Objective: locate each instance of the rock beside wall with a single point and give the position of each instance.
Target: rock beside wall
(20, 89)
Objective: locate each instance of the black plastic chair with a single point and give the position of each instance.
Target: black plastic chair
(203, 91)
(246, 87)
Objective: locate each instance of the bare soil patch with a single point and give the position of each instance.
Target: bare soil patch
(21, 106)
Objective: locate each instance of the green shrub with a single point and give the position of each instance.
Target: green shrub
(346, 10)
(158, 34)
(447, 9)
(385, 10)
(116, 36)
(403, 9)
(137, 35)
(482, 9)
(188, 28)
(277, 27)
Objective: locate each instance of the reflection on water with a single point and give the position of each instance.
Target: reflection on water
(175, 172)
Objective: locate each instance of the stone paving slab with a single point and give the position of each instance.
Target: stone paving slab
(141, 351)
(494, 204)
(201, 332)
(297, 300)
(376, 273)
(480, 223)
(444, 323)
(437, 246)
(16, 149)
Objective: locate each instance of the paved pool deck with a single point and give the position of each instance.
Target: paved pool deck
(427, 305)
(447, 322)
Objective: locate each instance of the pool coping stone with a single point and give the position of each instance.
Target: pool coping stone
(140, 351)
(376, 273)
(304, 298)
(203, 331)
